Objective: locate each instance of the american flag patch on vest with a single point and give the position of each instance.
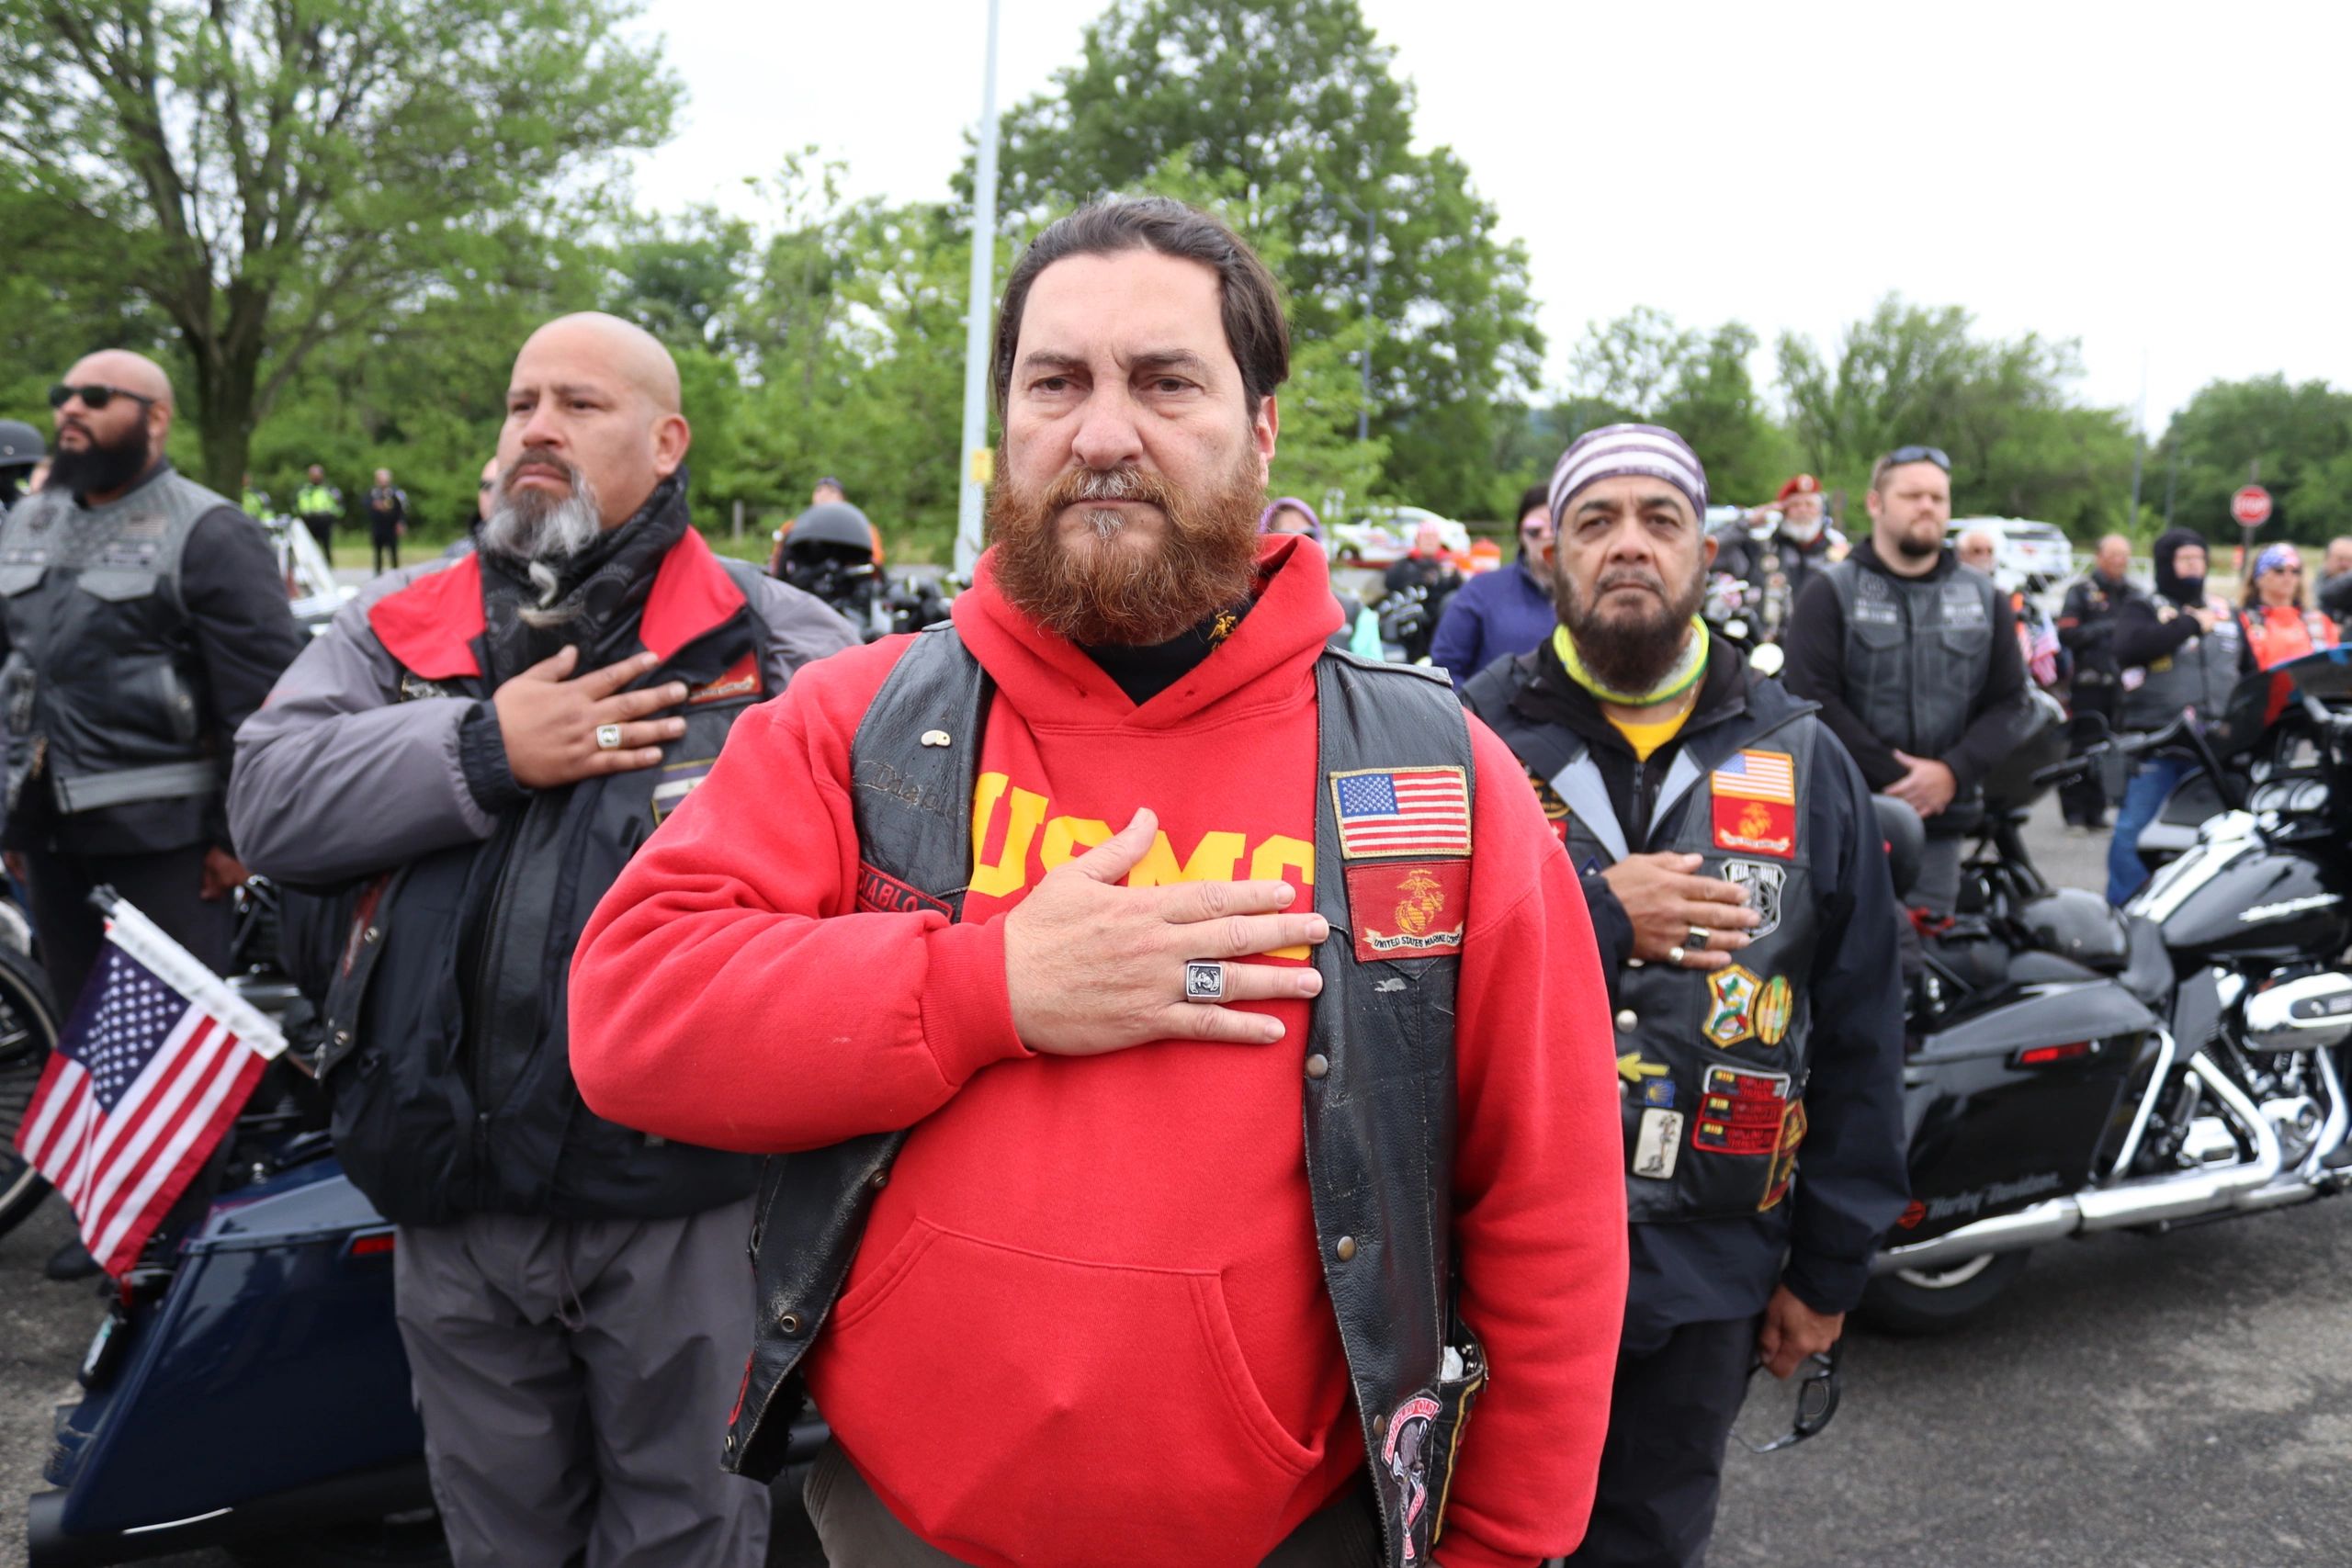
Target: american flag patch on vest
(1386, 812)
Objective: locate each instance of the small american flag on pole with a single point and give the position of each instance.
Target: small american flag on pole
(154, 1064)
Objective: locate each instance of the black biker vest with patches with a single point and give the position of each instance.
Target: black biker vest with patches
(1378, 1064)
(1711, 1068)
(1919, 649)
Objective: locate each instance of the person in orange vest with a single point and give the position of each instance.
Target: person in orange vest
(2278, 627)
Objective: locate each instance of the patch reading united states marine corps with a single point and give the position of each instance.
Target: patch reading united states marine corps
(1740, 1112)
(1409, 908)
(1755, 803)
(1402, 813)
(678, 781)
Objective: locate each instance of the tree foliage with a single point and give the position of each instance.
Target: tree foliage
(1296, 103)
(271, 174)
(2297, 436)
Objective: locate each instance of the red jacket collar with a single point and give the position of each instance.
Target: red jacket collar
(431, 626)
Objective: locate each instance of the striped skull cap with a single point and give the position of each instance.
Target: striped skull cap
(1617, 449)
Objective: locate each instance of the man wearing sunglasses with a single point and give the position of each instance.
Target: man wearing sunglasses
(141, 618)
(1914, 662)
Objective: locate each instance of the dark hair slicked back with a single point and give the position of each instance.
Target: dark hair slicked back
(1252, 302)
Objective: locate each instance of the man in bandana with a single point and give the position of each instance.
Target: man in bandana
(1748, 924)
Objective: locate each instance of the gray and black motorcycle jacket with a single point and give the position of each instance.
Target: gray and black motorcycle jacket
(376, 771)
(1763, 1103)
(138, 635)
(1927, 665)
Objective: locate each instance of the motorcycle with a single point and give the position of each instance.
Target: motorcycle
(2080, 1069)
(247, 1388)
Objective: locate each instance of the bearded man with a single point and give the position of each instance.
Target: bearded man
(1748, 925)
(1177, 1119)
(141, 619)
(471, 752)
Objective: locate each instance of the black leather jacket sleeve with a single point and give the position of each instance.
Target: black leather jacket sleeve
(2140, 638)
(1852, 1177)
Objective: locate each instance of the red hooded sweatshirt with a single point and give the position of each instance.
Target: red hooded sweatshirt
(1087, 1322)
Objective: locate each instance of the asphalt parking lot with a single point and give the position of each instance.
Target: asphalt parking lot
(2181, 1403)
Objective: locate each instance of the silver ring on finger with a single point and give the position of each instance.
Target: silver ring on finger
(1204, 980)
(1675, 956)
(1697, 941)
(609, 737)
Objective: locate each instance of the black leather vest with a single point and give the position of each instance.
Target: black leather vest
(1711, 1068)
(2199, 674)
(1378, 1064)
(1917, 651)
(447, 1058)
(102, 688)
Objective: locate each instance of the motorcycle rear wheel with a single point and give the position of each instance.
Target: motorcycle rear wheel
(28, 1033)
(401, 1541)
(1915, 1302)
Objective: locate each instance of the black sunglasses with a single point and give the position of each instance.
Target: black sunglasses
(1817, 1390)
(1902, 455)
(95, 396)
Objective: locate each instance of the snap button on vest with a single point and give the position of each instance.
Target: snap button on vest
(1346, 1248)
(1626, 1021)
(788, 1322)
(1317, 1065)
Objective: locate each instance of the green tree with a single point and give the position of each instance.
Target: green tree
(1298, 97)
(1644, 366)
(273, 174)
(2296, 435)
(2020, 443)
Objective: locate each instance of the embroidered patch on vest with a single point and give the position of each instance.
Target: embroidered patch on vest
(1774, 1010)
(880, 894)
(1657, 1145)
(1555, 810)
(1783, 1173)
(1762, 885)
(1406, 1452)
(678, 781)
(1741, 1112)
(740, 678)
(1408, 909)
(1402, 813)
(1731, 1010)
(1756, 827)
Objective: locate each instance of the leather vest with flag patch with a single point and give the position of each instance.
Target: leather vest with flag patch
(1710, 1068)
(1378, 1063)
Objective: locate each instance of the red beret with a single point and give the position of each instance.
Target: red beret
(1803, 484)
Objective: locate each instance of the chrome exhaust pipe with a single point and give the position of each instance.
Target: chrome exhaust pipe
(2149, 1201)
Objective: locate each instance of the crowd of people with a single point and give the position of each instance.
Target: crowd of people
(1185, 1043)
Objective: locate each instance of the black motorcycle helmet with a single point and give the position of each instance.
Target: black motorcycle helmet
(829, 551)
(20, 447)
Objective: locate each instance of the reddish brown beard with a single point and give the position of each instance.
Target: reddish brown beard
(1113, 592)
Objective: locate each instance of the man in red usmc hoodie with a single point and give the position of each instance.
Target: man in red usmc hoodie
(1087, 1321)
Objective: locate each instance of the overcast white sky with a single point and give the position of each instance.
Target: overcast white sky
(2166, 181)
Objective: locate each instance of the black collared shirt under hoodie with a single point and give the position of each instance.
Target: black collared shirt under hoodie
(1852, 1182)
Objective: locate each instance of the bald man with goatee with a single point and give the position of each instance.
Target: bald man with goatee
(471, 753)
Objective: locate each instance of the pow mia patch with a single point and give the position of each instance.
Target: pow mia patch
(1762, 884)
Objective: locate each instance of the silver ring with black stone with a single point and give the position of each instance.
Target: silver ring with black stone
(1204, 980)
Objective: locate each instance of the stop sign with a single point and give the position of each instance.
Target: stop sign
(2251, 506)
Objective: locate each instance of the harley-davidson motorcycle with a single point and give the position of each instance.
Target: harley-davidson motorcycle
(2076, 1068)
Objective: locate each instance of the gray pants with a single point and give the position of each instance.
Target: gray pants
(859, 1532)
(1937, 887)
(574, 1376)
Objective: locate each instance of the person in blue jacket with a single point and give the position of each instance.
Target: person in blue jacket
(1501, 615)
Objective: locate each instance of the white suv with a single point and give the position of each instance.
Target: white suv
(2021, 549)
